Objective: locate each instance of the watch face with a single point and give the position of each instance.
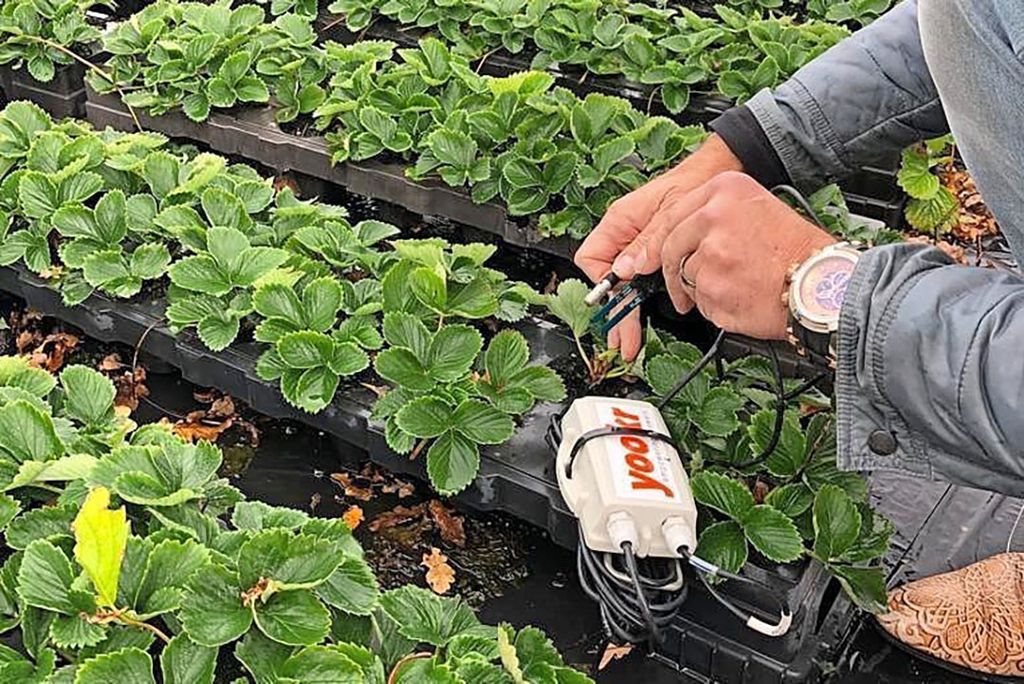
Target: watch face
(823, 288)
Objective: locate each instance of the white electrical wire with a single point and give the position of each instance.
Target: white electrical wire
(1013, 530)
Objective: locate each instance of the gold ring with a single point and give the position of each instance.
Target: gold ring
(682, 273)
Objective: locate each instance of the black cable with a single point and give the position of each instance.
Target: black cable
(799, 198)
(637, 610)
(708, 357)
(804, 386)
(653, 632)
(780, 413)
(705, 570)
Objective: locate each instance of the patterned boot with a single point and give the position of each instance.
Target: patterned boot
(971, 619)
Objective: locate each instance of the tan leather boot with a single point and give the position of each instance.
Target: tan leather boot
(972, 618)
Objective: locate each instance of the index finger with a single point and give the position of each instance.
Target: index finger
(616, 229)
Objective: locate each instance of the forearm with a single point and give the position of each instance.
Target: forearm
(860, 102)
(930, 362)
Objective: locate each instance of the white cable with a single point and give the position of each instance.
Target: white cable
(1013, 530)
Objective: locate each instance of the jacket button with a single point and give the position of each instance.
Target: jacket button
(882, 442)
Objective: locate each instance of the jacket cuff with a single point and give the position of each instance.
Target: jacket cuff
(740, 130)
(870, 433)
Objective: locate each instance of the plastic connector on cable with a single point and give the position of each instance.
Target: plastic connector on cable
(622, 529)
(678, 533)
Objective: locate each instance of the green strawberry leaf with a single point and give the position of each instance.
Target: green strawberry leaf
(723, 494)
(836, 522)
(773, 534)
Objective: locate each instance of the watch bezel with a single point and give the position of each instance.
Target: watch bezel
(818, 324)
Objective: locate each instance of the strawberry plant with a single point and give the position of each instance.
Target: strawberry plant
(226, 269)
(567, 304)
(201, 57)
(95, 246)
(811, 508)
(932, 207)
(40, 34)
(860, 12)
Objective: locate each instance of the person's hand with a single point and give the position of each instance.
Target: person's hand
(739, 241)
(628, 239)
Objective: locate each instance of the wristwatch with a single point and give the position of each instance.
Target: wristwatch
(814, 293)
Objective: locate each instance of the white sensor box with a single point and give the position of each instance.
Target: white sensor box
(624, 477)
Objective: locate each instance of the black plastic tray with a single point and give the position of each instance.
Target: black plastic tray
(252, 133)
(62, 97)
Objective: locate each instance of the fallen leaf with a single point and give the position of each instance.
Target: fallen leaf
(440, 575)
(448, 523)
(760, 491)
(193, 430)
(613, 652)
(49, 354)
(344, 480)
(26, 340)
(110, 362)
(352, 517)
(282, 182)
(130, 385)
(402, 489)
(399, 515)
(552, 285)
(223, 407)
(378, 390)
(205, 396)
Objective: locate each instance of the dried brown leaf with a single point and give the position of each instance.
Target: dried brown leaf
(110, 362)
(223, 407)
(613, 652)
(352, 491)
(195, 428)
(440, 575)
(449, 524)
(399, 515)
(353, 517)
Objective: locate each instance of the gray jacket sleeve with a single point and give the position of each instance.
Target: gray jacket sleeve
(860, 102)
(930, 375)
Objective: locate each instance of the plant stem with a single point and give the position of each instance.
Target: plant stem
(365, 29)
(583, 355)
(139, 624)
(393, 677)
(485, 57)
(92, 67)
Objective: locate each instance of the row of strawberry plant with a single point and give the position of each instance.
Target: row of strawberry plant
(662, 49)
(201, 56)
(185, 575)
(122, 210)
(325, 296)
(540, 149)
(795, 502)
(514, 137)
